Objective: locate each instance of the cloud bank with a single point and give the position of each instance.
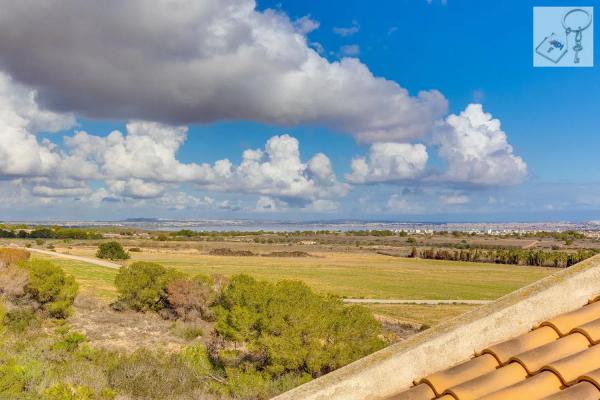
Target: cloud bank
(142, 163)
(223, 60)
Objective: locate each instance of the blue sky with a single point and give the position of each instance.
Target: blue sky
(477, 51)
(472, 52)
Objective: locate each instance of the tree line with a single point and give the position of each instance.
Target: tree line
(540, 258)
(49, 233)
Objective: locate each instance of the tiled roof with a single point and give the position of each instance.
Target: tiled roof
(558, 360)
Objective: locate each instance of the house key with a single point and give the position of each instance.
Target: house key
(578, 31)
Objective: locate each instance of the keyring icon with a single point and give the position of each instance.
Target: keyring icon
(578, 36)
(571, 12)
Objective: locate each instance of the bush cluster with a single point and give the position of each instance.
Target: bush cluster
(146, 286)
(264, 342)
(49, 286)
(264, 331)
(112, 251)
(39, 285)
(142, 286)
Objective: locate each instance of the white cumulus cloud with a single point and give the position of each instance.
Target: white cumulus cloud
(477, 150)
(21, 153)
(389, 162)
(278, 171)
(147, 151)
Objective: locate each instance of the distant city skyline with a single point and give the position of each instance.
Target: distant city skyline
(590, 228)
(413, 110)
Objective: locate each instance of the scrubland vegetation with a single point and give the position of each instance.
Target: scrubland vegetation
(262, 342)
(224, 306)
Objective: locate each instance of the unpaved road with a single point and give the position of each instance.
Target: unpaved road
(89, 260)
(530, 245)
(424, 302)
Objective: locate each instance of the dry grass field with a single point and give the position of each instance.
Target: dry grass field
(353, 275)
(349, 274)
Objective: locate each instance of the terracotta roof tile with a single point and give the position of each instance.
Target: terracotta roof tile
(528, 341)
(559, 360)
(534, 360)
(419, 392)
(593, 377)
(591, 330)
(534, 388)
(566, 322)
(570, 368)
(580, 391)
(460, 373)
(489, 383)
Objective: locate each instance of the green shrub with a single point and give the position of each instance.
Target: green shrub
(286, 328)
(64, 391)
(13, 379)
(59, 309)
(112, 251)
(51, 287)
(70, 342)
(17, 377)
(251, 384)
(142, 286)
(196, 357)
(20, 320)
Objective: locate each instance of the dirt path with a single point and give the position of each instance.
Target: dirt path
(89, 260)
(425, 302)
(530, 245)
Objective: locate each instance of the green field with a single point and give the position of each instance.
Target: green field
(343, 274)
(91, 278)
(369, 275)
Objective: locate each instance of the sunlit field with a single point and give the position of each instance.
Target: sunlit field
(354, 275)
